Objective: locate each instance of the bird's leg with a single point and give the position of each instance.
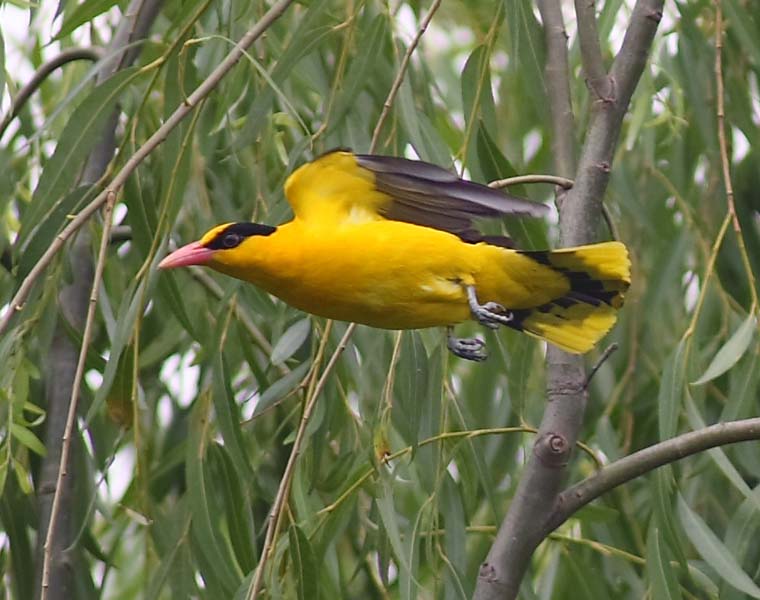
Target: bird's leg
(468, 348)
(489, 314)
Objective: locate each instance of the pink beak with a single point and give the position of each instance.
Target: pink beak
(191, 254)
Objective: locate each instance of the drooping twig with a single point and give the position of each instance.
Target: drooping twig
(401, 73)
(724, 161)
(64, 57)
(602, 359)
(187, 106)
(73, 402)
(283, 491)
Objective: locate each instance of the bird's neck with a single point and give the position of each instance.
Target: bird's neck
(268, 261)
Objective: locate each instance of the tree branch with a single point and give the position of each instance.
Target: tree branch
(536, 494)
(557, 80)
(648, 459)
(562, 182)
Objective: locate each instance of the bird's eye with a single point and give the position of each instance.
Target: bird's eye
(231, 240)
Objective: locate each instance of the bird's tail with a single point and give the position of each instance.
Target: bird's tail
(599, 275)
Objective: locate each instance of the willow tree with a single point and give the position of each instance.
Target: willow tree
(173, 435)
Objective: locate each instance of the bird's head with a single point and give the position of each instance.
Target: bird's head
(222, 246)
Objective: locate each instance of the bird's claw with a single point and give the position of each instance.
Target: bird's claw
(467, 348)
(490, 314)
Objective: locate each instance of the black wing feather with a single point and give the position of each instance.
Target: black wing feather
(428, 195)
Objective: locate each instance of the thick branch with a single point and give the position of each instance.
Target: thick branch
(557, 79)
(648, 459)
(525, 524)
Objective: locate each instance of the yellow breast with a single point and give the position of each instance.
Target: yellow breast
(385, 274)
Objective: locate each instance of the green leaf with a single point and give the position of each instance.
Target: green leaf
(671, 392)
(131, 304)
(290, 341)
(280, 388)
(662, 505)
(28, 439)
(662, 577)
(391, 525)
(361, 68)
(2, 65)
(730, 352)
(119, 397)
(228, 417)
(718, 455)
(237, 508)
(411, 385)
(49, 225)
(713, 551)
(81, 14)
(305, 563)
(212, 550)
(79, 136)
(476, 87)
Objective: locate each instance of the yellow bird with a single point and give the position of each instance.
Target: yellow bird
(390, 243)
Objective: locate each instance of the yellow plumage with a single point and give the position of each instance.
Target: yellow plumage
(345, 256)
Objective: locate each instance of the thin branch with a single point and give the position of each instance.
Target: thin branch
(648, 459)
(66, 56)
(73, 402)
(562, 182)
(283, 492)
(602, 359)
(724, 161)
(557, 78)
(401, 73)
(203, 90)
(597, 78)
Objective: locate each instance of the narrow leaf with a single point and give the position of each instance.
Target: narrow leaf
(671, 392)
(714, 552)
(291, 341)
(731, 351)
(305, 564)
(662, 578)
(280, 388)
(81, 133)
(28, 439)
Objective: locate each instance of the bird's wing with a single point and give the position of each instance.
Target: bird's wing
(341, 186)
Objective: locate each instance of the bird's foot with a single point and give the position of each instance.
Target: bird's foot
(490, 314)
(467, 348)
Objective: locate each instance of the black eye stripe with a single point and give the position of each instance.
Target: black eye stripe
(234, 234)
